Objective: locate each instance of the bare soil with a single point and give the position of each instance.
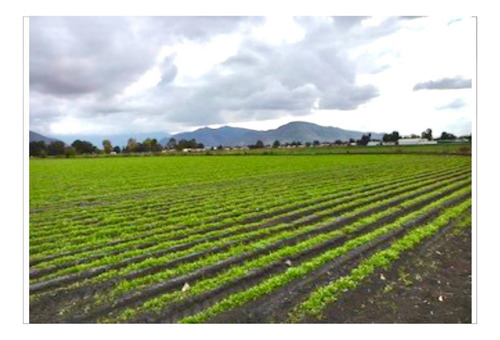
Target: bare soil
(431, 285)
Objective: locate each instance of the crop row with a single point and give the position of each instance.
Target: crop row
(260, 266)
(338, 206)
(347, 229)
(134, 219)
(105, 181)
(118, 228)
(163, 248)
(328, 294)
(153, 237)
(269, 285)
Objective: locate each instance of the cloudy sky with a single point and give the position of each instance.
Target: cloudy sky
(106, 76)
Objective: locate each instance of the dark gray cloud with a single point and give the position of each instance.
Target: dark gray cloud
(456, 104)
(80, 66)
(444, 84)
(73, 56)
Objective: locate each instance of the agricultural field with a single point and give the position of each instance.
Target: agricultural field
(231, 239)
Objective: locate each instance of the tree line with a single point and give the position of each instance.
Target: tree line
(82, 147)
(394, 137)
(151, 145)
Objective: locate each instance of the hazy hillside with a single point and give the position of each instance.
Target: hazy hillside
(294, 131)
(225, 135)
(36, 137)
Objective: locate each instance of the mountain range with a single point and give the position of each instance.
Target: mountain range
(233, 136)
(294, 131)
(36, 137)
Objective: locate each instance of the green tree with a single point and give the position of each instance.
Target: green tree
(106, 145)
(56, 148)
(132, 145)
(393, 137)
(38, 149)
(364, 139)
(427, 134)
(69, 152)
(276, 144)
(155, 146)
(83, 147)
(259, 144)
(172, 143)
(148, 144)
(447, 136)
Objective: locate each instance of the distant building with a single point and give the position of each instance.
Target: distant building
(416, 141)
(374, 143)
(389, 143)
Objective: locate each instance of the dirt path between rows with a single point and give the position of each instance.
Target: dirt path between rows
(431, 285)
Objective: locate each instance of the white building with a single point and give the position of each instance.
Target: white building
(416, 141)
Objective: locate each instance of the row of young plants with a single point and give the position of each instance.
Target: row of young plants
(353, 227)
(286, 252)
(321, 297)
(64, 230)
(142, 238)
(107, 275)
(93, 242)
(133, 221)
(140, 283)
(132, 202)
(60, 182)
(110, 259)
(179, 196)
(269, 285)
(59, 177)
(155, 237)
(113, 274)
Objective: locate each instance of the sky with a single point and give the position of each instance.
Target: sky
(110, 76)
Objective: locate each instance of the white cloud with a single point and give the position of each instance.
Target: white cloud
(165, 74)
(278, 30)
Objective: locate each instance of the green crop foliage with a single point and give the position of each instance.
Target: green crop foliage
(382, 259)
(130, 224)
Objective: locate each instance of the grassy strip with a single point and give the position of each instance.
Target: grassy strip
(318, 299)
(303, 269)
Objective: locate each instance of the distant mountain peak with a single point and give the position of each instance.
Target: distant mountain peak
(292, 131)
(36, 137)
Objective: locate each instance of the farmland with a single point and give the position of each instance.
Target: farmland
(229, 238)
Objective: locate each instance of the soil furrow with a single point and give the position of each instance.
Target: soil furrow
(227, 225)
(178, 282)
(66, 279)
(198, 303)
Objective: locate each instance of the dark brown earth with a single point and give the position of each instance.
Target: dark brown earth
(431, 285)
